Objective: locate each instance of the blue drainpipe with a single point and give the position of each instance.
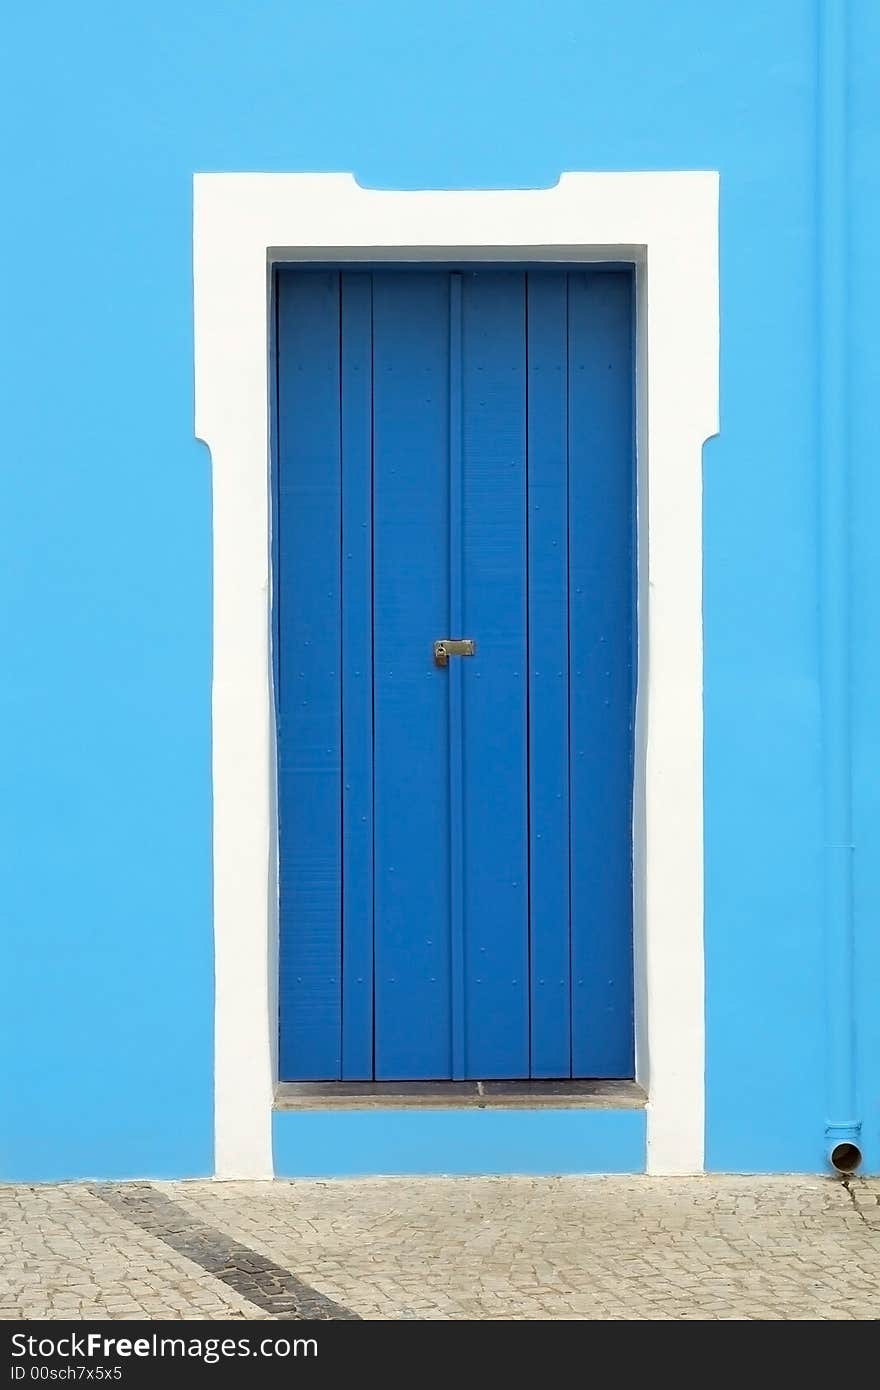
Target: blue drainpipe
(842, 1128)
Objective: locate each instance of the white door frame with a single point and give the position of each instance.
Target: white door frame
(667, 225)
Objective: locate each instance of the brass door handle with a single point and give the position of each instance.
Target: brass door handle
(452, 646)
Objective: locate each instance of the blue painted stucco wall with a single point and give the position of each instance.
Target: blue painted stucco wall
(105, 505)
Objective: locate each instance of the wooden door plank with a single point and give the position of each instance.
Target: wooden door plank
(411, 694)
(495, 679)
(601, 609)
(309, 713)
(550, 936)
(356, 404)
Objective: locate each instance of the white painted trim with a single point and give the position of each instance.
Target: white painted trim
(668, 224)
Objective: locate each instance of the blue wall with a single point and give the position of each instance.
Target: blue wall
(351, 1143)
(105, 809)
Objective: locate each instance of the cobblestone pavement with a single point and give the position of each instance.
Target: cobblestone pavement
(626, 1248)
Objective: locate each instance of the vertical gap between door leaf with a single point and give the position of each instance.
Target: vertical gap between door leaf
(340, 1063)
(528, 683)
(566, 387)
(373, 677)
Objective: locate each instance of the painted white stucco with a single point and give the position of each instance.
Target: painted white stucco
(667, 223)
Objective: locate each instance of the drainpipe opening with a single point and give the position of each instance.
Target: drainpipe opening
(846, 1157)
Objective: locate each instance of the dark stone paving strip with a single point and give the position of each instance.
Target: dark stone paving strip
(253, 1276)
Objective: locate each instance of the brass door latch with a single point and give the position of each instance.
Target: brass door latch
(452, 646)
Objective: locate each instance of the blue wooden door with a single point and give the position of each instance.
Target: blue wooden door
(455, 460)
